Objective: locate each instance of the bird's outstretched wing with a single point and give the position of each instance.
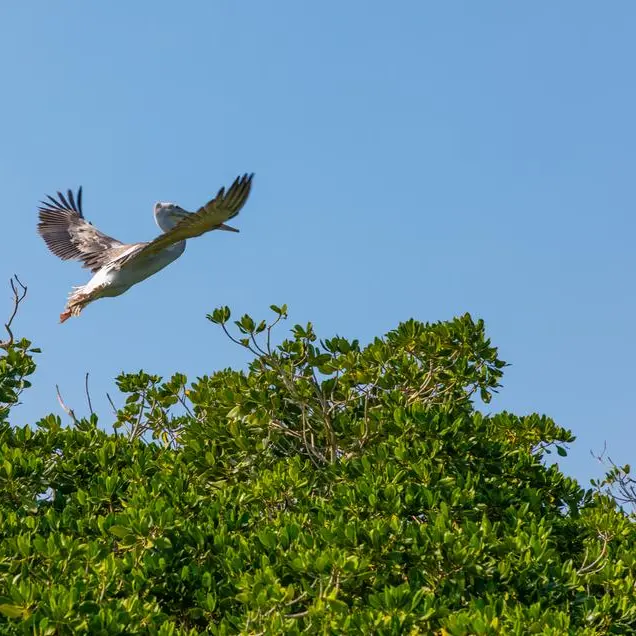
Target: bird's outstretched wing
(225, 206)
(68, 235)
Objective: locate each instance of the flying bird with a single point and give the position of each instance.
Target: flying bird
(117, 266)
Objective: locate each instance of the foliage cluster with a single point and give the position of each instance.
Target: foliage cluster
(330, 488)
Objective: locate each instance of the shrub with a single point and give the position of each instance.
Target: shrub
(331, 488)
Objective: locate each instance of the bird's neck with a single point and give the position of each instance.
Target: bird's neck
(165, 220)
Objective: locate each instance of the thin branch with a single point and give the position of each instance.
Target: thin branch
(88, 395)
(135, 428)
(297, 614)
(236, 341)
(424, 386)
(585, 569)
(297, 599)
(312, 451)
(269, 333)
(275, 424)
(230, 336)
(66, 409)
(258, 347)
(112, 404)
(365, 435)
(326, 419)
(183, 403)
(19, 294)
(601, 456)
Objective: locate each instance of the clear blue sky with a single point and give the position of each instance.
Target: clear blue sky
(413, 159)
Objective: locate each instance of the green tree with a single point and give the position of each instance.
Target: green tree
(331, 488)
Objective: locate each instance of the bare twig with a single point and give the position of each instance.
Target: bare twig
(297, 614)
(618, 483)
(19, 293)
(602, 455)
(67, 410)
(269, 333)
(112, 405)
(88, 395)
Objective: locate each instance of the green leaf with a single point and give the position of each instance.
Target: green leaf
(262, 325)
(247, 324)
(220, 315)
(119, 531)
(12, 611)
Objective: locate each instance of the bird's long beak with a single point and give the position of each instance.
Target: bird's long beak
(227, 228)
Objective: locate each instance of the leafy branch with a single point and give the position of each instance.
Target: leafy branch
(313, 392)
(618, 482)
(17, 362)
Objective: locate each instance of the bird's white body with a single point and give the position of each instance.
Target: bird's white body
(111, 281)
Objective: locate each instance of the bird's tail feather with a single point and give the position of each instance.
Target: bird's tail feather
(77, 300)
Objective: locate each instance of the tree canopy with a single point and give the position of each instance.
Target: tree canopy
(330, 488)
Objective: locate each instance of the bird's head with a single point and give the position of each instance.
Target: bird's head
(167, 215)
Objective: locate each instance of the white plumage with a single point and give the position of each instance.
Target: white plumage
(117, 266)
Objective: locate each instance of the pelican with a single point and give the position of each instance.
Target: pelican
(117, 266)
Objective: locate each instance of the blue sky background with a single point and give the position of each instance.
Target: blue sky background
(412, 159)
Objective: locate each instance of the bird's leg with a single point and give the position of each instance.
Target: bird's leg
(78, 300)
(73, 308)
